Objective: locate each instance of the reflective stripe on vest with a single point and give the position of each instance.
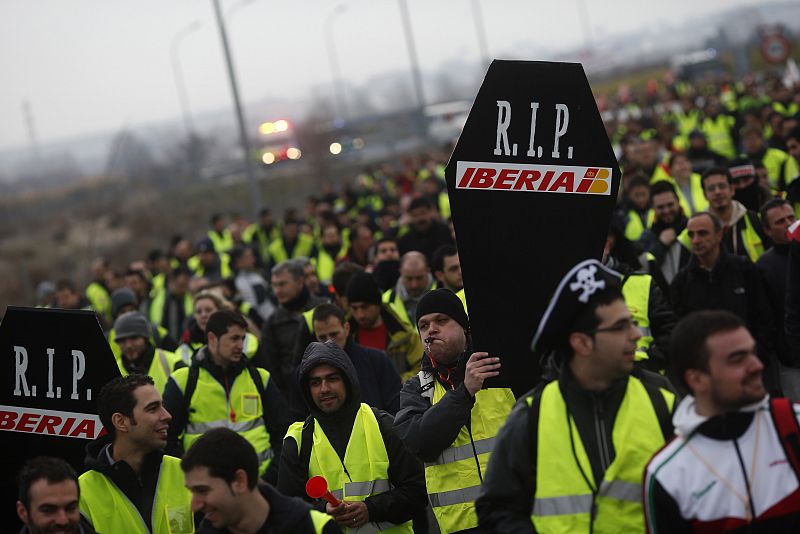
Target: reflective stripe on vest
(452, 479)
(366, 459)
(637, 297)
(240, 410)
(566, 493)
(110, 510)
(454, 454)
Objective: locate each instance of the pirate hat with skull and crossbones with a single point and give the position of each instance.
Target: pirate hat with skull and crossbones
(573, 293)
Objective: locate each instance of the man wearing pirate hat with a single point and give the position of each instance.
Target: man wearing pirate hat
(599, 422)
(446, 416)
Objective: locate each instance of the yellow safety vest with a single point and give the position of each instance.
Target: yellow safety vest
(392, 298)
(222, 242)
(326, 264)
(199, 271)
(366, 460)
(566, 492)
(463, 296)
(108, 509)
(303, 247)
(100, 300)
(240, 410)
(718, 133)
(453, 481)
(157, 306)
(751, 240)
(637, 297)
(160, 368)
(698, 201)
(781, 168)
(635, 228)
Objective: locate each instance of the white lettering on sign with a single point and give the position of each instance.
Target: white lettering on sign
(22, 361)
(20, 366)
(503, 147)
(533, 178)
(50, 422)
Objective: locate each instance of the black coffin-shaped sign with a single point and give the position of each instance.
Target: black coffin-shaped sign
(532, 183)
(53, 364)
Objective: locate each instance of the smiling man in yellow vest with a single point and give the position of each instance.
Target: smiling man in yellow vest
(571, 456)
(131, 485)
(445, 416)
(353, 446)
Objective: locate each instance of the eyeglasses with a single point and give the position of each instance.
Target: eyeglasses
(622, 325)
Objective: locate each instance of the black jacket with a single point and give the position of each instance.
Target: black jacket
(509, 487)
(277, 419)
(791, 326)
(734, 284)
(139, 489)
(774, 266)
(378, 379)
(407, 497)
(428, 429)
(286, 515)
(280, 335)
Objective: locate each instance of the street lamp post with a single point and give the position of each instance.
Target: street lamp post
(480, 31)
(180, 87)
(412, 56)
(245, 144)
(583, 12)
(339, 97)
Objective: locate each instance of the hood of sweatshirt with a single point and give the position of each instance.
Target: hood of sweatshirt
(687, 420)
(338, 425)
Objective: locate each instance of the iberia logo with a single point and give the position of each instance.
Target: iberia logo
(535, 178)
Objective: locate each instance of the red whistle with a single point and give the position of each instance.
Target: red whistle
(317, 488)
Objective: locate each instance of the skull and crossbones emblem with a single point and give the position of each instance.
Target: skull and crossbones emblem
(587, 283)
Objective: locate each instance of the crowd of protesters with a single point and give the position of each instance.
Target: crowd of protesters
(306, 316)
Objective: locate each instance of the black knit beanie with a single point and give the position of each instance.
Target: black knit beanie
(362, 287)
(446, 302)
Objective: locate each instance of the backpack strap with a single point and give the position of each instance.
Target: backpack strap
(306, 441)
(191, 385)
(256, 377)
(782, 410)
(426, 383)
(661, 409)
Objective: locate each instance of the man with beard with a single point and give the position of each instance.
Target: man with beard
(447, 418)
(733, 465)
(353, 446)
(662, 239)
(48, 498)
(571, 455)
(131, 485)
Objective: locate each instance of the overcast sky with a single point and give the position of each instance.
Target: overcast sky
(93, 65)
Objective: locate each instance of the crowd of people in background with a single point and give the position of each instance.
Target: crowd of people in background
(332, 292)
